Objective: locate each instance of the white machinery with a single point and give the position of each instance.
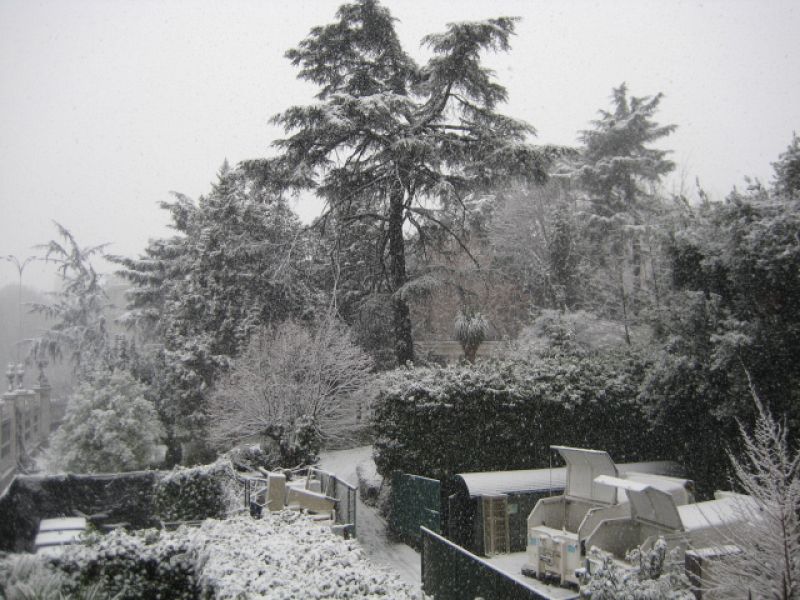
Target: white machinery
(654, 514)
(558, 525)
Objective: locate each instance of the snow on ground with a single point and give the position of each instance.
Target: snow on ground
(370, 526)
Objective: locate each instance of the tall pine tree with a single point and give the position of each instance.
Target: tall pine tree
(398, 144)
(618, 169)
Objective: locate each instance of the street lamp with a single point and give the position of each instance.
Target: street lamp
(20, 268)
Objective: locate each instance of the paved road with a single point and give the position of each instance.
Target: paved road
(370, 526)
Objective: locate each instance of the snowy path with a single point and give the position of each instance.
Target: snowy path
(370, 526)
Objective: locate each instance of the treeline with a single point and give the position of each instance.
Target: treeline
(437, 205)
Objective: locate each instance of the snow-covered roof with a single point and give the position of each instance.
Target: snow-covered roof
(62, 524)
(554, 480)
(507, 482)
(718, 513)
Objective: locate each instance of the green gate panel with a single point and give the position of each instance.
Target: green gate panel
(415, 504)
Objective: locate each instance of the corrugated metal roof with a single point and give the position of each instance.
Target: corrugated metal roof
(543, 480)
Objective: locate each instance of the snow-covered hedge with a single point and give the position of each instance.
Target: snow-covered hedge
(285, 555)
(196, 493)
(438, 421)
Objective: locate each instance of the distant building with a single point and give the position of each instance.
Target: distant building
(25, 422)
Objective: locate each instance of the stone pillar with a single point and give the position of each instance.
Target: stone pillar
(43, 390)
(276, 491)
(8, 439)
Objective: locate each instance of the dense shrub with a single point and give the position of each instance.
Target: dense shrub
(205, 492)
(283, 555)
(497, 416)
(132, 566)
(109, 427)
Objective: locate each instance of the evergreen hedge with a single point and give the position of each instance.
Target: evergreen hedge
(439, 421)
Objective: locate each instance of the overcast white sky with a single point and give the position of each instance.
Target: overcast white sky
(107, 105)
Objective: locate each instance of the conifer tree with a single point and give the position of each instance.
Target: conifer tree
(618, 168)
(787, 169)
(235, 265)
(398, 144)
(77, 310)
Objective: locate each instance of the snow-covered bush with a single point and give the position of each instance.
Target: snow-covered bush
(109, 427)
(767, 564)
(26, 577)
(558, 332)
(285, 555)
(656, 575)
(132, 566)
(369, 482)
(294, 388)
(438, 422)
(196, 493)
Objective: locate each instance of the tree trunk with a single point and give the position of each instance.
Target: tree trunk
(636, 267)
(174, 453)
(403, 342)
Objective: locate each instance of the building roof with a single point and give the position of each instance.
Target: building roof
(507, 482)
(553, 480)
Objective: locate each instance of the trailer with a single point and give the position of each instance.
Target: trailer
(557, 526)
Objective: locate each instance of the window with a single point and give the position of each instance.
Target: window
(5, 438)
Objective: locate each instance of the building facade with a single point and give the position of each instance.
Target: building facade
(25, 422)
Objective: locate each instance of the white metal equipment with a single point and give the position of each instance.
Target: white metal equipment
(654, 514)
(558, 525)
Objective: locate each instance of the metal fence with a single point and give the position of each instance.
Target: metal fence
(343, 492)
(254, 489)
(451, 573)
(416, 503)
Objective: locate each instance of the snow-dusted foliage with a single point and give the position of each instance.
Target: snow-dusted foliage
(399, 145)
(617, 162)
(284, 555)
(618, 169)
(555, 332)
(505, 415)
(736, 289)
(787, 169)
(194, 493)
(295, 387)
(656, 575)
(27, 577)
(768, 561)
(370, 483)
(536, 245)
(109, 427)
(471, 329)
(235, 264)
(78, 326)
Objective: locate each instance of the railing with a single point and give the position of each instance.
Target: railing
(255, 488)
(344, 494)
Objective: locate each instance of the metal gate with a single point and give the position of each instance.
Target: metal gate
(416, 503)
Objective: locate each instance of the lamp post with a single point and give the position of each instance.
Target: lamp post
(20, 268)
